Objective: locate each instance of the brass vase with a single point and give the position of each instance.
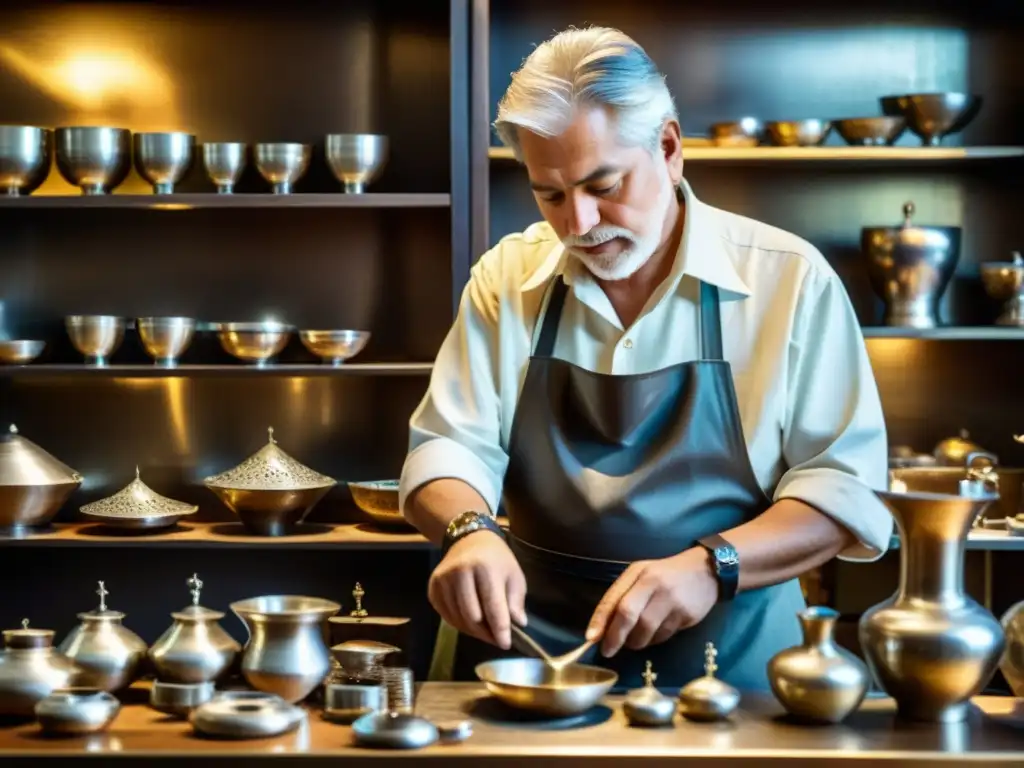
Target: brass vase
(931, 646)
(818, 682)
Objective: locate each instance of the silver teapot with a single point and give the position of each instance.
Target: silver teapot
(195, 648)
(30, 669)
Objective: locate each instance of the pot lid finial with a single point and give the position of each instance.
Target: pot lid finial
(710, 653)
(649, 675)
(195, 585)
(102, 592)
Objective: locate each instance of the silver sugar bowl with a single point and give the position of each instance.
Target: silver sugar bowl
(707, 698)
(648, 706)
(195, 648)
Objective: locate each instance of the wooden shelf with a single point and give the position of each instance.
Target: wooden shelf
(963, 333)
(192, 201)
(185, 371)
(819, 154)
(222, 535)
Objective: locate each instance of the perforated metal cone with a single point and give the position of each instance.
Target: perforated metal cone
(270, 469)
(137, 500)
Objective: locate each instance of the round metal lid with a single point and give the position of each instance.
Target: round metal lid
(102, 613)
(22, 462)
(20, 639)
(270, 469)
(137, 500)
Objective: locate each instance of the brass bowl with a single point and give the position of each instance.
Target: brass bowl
(745, 132)
(334, 347)
(798, 133)
(20, 351)
(270, 512)
(532, 685)
(871, 131)
(379, 500)
(1004, 282)
(933, 115)
(254, 343)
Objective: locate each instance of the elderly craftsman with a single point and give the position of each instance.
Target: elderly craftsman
(671, 403)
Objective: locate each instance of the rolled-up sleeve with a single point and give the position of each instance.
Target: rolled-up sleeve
(834, 439)
(456, 430)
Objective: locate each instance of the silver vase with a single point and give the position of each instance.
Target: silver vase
(817, 681)
(930, 646)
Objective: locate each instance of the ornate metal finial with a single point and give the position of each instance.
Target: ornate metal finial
(136, 471)
(195, 584)
(358, 594)
(270, 435)
(710, 653)
(14, 429)
(649, 675)
(24, 624)
(102, 592)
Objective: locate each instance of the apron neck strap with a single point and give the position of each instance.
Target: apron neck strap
(710, 321)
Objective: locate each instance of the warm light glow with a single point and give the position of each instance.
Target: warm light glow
(894, 352)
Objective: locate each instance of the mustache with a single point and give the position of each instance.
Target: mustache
(597, 236)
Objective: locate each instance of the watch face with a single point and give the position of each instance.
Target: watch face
(726, 556)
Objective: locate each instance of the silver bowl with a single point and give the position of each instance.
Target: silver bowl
(224, 163)
(798, 133)
(20, 351)
(1004, 282)
(96, 337)
(25, 156)
(334, 347)
(254, 342)
(870, 131)
(356, 159)
(379, 500)
(163, 159)
(94, 159)
(282, 164)
(179, 699)
(931, 116)
(532, 685)
(165, 339)
(745, 132)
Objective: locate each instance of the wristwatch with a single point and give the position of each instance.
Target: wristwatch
(465, 524)
(725, 562)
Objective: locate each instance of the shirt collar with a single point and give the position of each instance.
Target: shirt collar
(701, 252)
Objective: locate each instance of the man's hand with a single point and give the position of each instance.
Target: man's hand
(654, 599)
(478, 588)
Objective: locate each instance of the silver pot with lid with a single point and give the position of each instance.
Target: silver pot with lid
(107, 652)
(195, 648)
(137, 507)
(707, 698)
(909, 267)
(33, 484)
(30, 669)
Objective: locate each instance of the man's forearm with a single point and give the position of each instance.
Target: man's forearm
(787, 540)
(435, 504)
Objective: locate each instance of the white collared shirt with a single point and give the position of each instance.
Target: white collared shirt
(807, 397)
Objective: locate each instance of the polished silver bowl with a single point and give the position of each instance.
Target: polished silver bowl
(798, 133)
(26, 153)
(931, 116)
(1004, 282)
(165, 339)
(163, 159)
(745, 132)
(96, 337)
(20, 351)
(282, 164)
(530, 684)
(224, 162)
(356, 159)
(334, 347)
(870, 131)
(94, 159)
(254, 342)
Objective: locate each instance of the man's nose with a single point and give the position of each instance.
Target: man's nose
(583, 215)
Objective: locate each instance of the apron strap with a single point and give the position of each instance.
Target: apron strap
(710, 323)
(552, 316)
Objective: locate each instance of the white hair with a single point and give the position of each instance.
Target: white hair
(596, 66)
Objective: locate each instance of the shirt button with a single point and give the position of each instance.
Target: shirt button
(628, 343)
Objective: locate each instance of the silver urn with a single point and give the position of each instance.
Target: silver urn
(30, 669)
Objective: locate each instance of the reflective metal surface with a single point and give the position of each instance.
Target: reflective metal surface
(707, 698)
(379, 500)
(362, 658)
(165, 339)
(818, 681)
(933, 115)
(909, 267)
(798, 133)
(137, 506)
(356, 159)
(25, 156)
(286, 653)
(95, 159)
(1008, 482)
(96, 337)
(557, 663)
(179, 699)
(1012, 663)
(345, 702)
(870, 131)
(224, 163)
(283, 164)
(33, 484)
(30, 669)
(955, 451)
(1004, 282)
(532, 685)
(20, 351)
(163, 159)
(745, 132)
(254, 342)
(648, 706)
(107, 653)
(392, 730)
(930, 646)
(76, 711)
(334, 347)
(246, 715)
(195, 648)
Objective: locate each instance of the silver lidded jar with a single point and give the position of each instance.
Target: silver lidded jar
(195, 648)
(33, 484)
(931, 646)
(107, 653)
(30, 669)
(707, 698)
(648, 706)
(817, 681)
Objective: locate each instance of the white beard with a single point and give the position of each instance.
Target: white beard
(641, 247)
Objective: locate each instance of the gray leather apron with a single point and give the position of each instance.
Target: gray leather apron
(605, 470)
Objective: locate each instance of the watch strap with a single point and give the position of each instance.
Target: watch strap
(725, 562)
(467, 523)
